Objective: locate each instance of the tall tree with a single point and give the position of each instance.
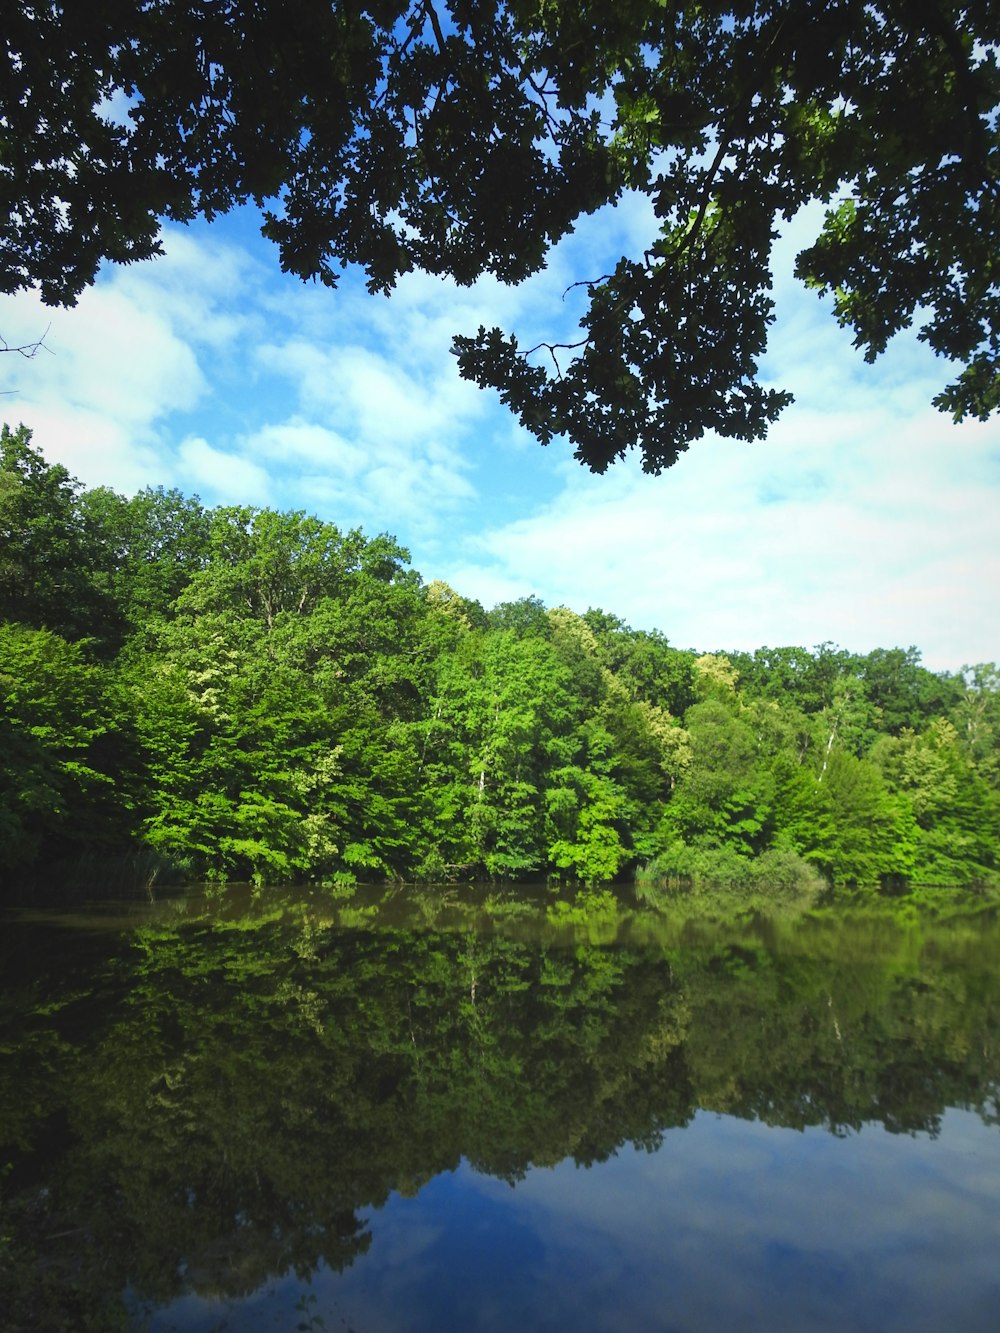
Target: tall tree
(725, 794)
(793, 674)
(977, 717)
(49, 560)
(906, 693)
(846, 820)
(274, 706)
(465, 138)
(503, 715)
(645, 664)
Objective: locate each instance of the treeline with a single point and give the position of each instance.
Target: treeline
(240, 693)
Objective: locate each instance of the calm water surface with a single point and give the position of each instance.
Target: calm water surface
(438, 1112)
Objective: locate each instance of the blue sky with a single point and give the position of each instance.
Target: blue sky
(866, 518)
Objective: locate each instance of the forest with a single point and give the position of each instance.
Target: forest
(231, 693)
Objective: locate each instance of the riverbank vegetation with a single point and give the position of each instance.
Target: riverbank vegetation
(239, 693)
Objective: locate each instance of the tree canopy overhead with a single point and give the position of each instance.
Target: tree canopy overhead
(468, 137)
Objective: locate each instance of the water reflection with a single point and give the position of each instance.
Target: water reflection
(297, 1112)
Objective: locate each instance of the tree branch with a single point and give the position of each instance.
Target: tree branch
(551, 348)
(588, 282)
(27, 350)
(431, 13)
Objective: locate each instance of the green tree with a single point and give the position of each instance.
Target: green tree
(54, 789)
(977, 719)
(645, 664)
(725, 793)
(905, 693)
(151, 545)
(587, 811)
(503, 712)
(849, 722)
(846, 820)
(277, 707)
(792, 674)
(957, 814)
(49, 561)
(526, 617)
(468, 139)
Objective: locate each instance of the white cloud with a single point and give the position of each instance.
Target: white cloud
(301, 441)
(222, 477)
(139, 348)
(368, 394)
(110, 355)
(883, 536)
(95, 450)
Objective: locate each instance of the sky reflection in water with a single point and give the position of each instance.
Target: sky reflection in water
(730, 1225)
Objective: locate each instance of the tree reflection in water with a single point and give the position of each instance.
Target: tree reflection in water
(223, 1093)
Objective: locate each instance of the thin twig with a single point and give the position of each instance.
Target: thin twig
(554, 126)
(588, 282)
(551, 347)
(27, 350)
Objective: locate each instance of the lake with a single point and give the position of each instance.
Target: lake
(458, 1110)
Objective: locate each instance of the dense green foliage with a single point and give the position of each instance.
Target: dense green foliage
(205, 1102)
(464, 139)
(240, 693)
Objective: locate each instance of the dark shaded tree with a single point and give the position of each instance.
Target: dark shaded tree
(49, 558)
(465, 139)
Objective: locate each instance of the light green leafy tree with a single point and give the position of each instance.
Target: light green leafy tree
(955, 810)
(502, 711)
(287, 683)
(725, 794)
(977, 719)
(844, 819)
